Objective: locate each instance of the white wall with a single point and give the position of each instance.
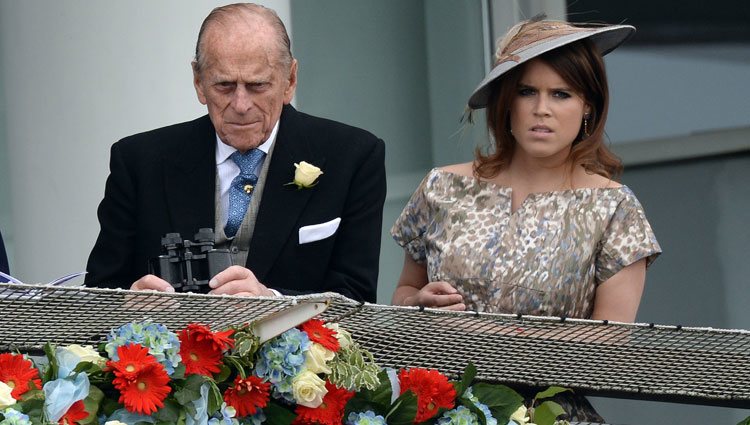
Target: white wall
(79, 75)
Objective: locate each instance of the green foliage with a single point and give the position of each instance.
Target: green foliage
(91, 404)
(354, 369)
(547, 412)
(501, 400)
(378, 400)
(403, 411)
(278, 415)
(745, 421)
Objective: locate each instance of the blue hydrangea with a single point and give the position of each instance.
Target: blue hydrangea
(225, 416)
(14, 417)
(481, 406)
(281, 359)
(365, 418)
(458, 416)
(161, 343)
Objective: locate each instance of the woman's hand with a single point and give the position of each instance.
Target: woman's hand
(437, 295)
(414, 289)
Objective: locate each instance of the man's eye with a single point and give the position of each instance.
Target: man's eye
(225, 85)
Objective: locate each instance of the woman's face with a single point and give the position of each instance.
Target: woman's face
(546, 114)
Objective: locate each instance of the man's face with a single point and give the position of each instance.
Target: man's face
(243, 83)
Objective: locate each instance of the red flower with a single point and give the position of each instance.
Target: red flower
(75, 414)
(322, 335)
(16, 372)
(432, 389)
(200, 353)
(141, 379)
(330, 412)
(247, 395)
(219, 340)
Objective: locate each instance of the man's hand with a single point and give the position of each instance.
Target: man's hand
(237, 280)
(153, 283)
(437, 295)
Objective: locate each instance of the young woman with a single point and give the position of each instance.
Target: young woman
(537, 225)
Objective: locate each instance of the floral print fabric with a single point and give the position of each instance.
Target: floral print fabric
(546, 258)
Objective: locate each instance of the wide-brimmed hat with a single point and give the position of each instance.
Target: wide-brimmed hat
(535, 37)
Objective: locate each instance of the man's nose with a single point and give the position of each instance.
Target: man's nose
(242, 99)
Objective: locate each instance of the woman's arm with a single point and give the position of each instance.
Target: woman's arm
(618, 297)
(413, 289)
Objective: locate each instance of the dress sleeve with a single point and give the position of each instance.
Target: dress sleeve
(409, 229)
(627, 239)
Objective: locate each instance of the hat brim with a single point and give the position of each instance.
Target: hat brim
(605, 39)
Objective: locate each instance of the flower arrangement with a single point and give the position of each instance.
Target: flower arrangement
(312, 374)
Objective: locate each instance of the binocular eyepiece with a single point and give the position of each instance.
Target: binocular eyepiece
(189, 265)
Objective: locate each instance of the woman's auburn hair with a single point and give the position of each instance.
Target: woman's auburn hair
(581, 66)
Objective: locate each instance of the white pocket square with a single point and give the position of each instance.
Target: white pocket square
(316, 232)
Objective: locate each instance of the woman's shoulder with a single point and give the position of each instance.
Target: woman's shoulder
(465, 169)
(584, 179)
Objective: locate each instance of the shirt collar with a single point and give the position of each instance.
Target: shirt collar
(224, 151)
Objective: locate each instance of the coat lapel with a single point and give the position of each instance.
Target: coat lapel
(190, 179)
(282, 204)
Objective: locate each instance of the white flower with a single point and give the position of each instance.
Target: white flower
(344, 337)
(306, 174)
(86, 353)
(317, 357)
(114, 423)
(308, 389)
(519, 416)
(5, 398)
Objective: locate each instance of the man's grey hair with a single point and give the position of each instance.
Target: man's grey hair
(233, 11)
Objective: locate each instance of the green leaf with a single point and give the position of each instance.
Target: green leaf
(473, 407)
(190, 390)
(501, 400)
(179, 371)
(52, 368)
(170, 413)
(91, 404)
(404, 410)
(547, 413)
(468, 376)
(214, 398)
(223, 373)
(278, 415)
(551, 392)
(745, 421)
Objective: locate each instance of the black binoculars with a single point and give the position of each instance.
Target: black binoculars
(189, 265)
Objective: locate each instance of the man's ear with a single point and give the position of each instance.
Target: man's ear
(197, 83)
(292, 83)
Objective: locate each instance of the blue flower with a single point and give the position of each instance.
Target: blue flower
(458, 416)
(281, 359)
(225, 416)
(366, 418)
(481, 406)
(122, 415)
(60, 394)
(161, 343)
(14, 417)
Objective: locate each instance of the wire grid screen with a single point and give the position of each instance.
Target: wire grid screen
(694, 365)
(32, 315)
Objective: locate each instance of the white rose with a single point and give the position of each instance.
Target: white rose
(317, 357)
(86, 353)
(5, 398)
(306, 174)
(114, 423)
(343, 336)
(519, 416)
(308, 389)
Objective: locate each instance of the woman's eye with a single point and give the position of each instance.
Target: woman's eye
(561, 94)
(525, 91)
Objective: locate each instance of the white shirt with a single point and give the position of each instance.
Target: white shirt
(227, 170)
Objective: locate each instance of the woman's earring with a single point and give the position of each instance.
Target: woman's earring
(585, 126)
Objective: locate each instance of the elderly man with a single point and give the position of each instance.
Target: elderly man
(231, 171)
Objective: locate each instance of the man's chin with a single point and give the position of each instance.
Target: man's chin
(243, 143)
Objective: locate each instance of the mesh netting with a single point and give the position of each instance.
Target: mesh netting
(650, 362)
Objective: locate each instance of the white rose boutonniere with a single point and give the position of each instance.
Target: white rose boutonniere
(305, 175)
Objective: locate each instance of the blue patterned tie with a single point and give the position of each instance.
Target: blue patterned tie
(242, 188)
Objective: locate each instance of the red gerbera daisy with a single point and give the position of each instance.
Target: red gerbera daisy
(133, 358)
(330, 412)
(141, 379)
(219, 340)
(432, 389)
(247, 395)
(76, 413)
(16, 372)
(322, 335)
(199, 353)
